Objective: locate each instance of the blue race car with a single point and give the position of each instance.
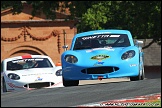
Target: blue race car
(102, 54)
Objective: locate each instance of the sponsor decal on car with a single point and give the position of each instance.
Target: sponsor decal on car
(13, 86)
(39, 79)
(131, 65)
(36, 74)
(99, 63)
(105, 48)
(100, 57)
(24, 60)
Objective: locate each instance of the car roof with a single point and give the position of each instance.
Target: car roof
(108, 31)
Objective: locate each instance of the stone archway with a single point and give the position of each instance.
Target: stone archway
(22, 50)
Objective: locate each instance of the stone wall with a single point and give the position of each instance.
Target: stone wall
(152, 54)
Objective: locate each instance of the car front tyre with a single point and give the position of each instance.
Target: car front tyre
(141, 76)
(135, 78)
(68, 83)
(4, 85)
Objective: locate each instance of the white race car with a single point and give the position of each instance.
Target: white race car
(30, 72)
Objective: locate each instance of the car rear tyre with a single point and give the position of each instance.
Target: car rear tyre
(68, 83)
(4, 85)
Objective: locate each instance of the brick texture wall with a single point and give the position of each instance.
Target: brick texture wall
(21, 34)
(45, 38)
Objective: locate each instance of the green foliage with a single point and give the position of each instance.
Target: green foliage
(95, 17)
(142, 18)
(16, 5)
(47, 7)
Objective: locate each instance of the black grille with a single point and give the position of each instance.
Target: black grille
(39, 85)
(100, 70)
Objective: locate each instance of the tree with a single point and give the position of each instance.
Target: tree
(16, 5)
(50, 7)
(142, 18)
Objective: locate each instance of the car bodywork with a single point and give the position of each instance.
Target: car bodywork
(29, 72)
(102, 54)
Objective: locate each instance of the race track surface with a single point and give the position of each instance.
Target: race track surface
(82, 94)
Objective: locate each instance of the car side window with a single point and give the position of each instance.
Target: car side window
(42, 64)
(85, 44)
(14, 66)
(123, 41)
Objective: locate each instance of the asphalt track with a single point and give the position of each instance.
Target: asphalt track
(86, 92)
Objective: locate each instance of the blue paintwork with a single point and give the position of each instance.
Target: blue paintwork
(127, 68)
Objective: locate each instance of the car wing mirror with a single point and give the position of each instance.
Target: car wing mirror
(140, 42)
(137, 42)
(65, 47)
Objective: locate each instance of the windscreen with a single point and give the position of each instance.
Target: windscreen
(101, 41)
(20, 64)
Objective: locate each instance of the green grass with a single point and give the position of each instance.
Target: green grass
(156, 103)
